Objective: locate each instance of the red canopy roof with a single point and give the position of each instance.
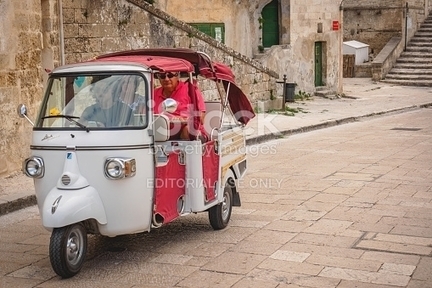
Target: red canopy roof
(163, 64)
(188, 60)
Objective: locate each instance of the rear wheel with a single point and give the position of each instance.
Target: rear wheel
(220, 214)
(67, 250)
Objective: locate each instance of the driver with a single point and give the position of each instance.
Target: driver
(172, 87)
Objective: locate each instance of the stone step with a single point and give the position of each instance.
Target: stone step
(420, 39)
(423, 34)
(408, 77)
(425, 30)
(408, 82)
(414, 60)
(411, 65)
(413, 71)
(416, 55)
(323, 92)
(426, 49)
(420, 44)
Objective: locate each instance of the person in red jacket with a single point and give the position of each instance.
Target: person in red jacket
(172, 87)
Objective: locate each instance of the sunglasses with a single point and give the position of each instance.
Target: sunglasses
(164, 75)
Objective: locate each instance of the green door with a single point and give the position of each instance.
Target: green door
(318, 64)
(270, 24)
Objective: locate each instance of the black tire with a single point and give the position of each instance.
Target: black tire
(67, 249)
(220, 214)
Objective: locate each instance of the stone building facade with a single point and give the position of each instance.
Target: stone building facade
(304, 27)
(301, 26)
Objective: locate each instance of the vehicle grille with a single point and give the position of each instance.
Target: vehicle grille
(66, 180)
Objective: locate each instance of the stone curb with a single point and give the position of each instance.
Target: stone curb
(17, 204)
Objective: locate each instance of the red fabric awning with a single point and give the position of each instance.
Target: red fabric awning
(188, 60)
(164, 64)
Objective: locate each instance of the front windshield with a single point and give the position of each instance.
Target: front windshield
(95, 101)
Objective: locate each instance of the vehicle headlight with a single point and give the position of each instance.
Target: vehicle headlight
(34, 167)
(118, 168)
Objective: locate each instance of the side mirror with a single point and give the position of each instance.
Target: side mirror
(22, 112)
(169, 105)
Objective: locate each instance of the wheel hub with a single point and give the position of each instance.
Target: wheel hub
(73, 248)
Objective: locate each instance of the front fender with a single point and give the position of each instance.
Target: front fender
(73, 206)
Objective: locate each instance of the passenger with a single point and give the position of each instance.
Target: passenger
(108, 109)
(172, 87)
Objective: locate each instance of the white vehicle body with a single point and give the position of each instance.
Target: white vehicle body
(130, 178)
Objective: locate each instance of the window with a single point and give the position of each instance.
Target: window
(214, 30)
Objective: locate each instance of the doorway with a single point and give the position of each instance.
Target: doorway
(270, 24)
(318, 64)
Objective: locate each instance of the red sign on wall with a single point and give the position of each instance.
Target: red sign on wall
(335, 25)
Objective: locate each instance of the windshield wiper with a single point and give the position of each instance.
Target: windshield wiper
(69, 118)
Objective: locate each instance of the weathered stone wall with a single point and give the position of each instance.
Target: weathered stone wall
(24, 32)
(96, 27)
(234, 14)
(375, 22)
(299, 21)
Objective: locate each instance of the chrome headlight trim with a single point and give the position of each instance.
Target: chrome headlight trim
(119, 168)
(34, 167)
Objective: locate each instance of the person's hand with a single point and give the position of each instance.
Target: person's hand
(178, 119)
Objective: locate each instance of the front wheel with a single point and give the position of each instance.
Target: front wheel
(220, 214)
(67, 249)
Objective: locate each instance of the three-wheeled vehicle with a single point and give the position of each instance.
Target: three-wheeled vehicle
(122, 172)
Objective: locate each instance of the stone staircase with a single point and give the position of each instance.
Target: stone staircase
(414, 66)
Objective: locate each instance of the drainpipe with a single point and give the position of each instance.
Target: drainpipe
(340, 86)
(61, 35)
(406, 25)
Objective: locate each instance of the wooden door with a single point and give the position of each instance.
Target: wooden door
(270, 24)
(348, 65)
(318, 64)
